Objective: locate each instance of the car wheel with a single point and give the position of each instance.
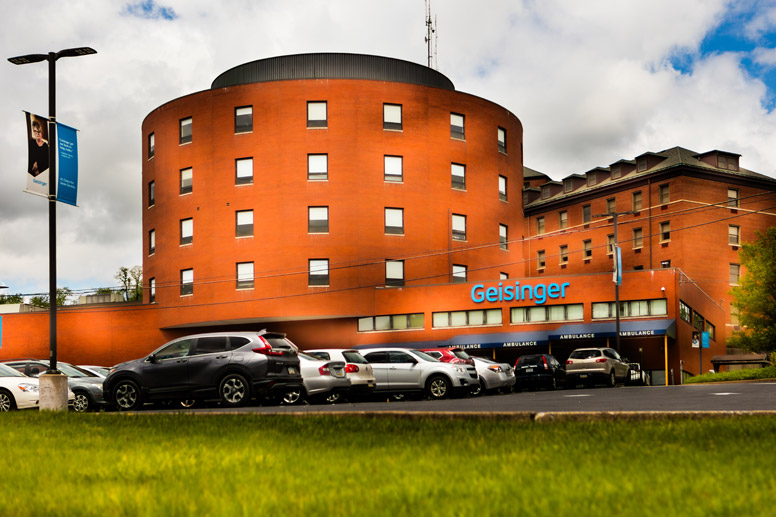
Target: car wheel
(126, 395)
(82, 403)
(554, 383)
(438, 387)
(293, 397)
(479, 389)
(188, 404)
(612, 379)
(233, 390)
(333, 398)
(7, 402)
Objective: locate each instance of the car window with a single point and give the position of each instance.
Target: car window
(8, 371)
(309, 357)
(175, 349)
(435, 355)
(401, 357)
(530, 360)
(72, 371)
(237, 342)
(585, 354)
(425, 356)
(320, 355)
(211, 344)
(354, 357)
(460, 354)
(279, 341)
(611, 354)
(377, 357)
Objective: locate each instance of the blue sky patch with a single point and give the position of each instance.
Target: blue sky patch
(150, 10)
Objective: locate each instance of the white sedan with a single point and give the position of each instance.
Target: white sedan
(17, 391)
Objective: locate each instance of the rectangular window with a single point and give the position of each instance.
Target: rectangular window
(318, 219)
(187, 181)
(591, 179)
(502, 188)
(711, 330)
(636, 201)
(563, 219)
(503, 236)
(459, 227)
(727, 162)
(610, 206)
(610, 244)
(503, 276)
(540, 225)
(243, 119)
(392, 117)
(568, 185)
(392, 322)
(394, 221)
(243, 171)
(471, 318)
(587, 247)
(187, 282)
(245, 275)
(616, 171)
(187, 231)
(685, 312)
(638, 238)
(502, 140)
(151, 242)
(665, 194)
(458, 173)
(564, 254)
(457, 126)
(317, 166)
(587, 215)
(698, 321)
(393, 168)
(733, 198)
(631, 309)
(394, 273)
(318, 272)
(540, 262)
(151, 145)
(243, 223)
(641, 164)
(546, 192)
(665, 231)
(547, 313)
(735, 271)
(665, 264)
(316, 114)
(151, 193)
(459, 273)
(734, 235)
(152, 290)
(185, 130)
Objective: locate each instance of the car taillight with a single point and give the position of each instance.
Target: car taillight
(351, 368)
(494, 368)
(546, 366)
(569, 361)
(266, 348)
(324, 370)
(601, 360)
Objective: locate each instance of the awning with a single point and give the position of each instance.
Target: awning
(638, 328)
(500, 340)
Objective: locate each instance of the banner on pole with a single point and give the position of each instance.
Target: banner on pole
(38, 172)
(67, 186)
(617, 273)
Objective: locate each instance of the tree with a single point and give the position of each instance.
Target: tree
(755, 296)
(11, 298)
(63, 293)
(131, 282)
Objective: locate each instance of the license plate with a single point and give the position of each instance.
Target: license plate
(583, 376)
(291, 370)
(529, 370)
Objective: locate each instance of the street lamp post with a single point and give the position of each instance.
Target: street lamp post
(52, 396)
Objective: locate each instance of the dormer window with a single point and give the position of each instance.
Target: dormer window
(727, 162)
(642, 164)
(590, 179)
(616, 171)
(567, 185)
(545, 191)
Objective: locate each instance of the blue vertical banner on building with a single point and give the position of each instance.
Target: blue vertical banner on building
(67, 187)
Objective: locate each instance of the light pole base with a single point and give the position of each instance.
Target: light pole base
(53, 392)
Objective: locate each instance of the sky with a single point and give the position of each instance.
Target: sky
(592, 82)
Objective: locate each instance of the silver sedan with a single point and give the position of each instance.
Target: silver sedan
(493, 376)
(321, 379)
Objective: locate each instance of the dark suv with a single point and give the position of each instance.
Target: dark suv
(230, 366)
(539, 370)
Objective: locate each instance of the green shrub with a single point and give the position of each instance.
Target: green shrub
(740, 375)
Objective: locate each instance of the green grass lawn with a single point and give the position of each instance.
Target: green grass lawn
(182, 464)
(739, 375)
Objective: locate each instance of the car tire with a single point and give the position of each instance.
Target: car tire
(293, 397)
(234, 390)
(612, 380)
(7, 402)
(82, 403)
(479, 390)
(127, 396)
(438, 387)
(188, 403)
(554, 383)
(333, 398)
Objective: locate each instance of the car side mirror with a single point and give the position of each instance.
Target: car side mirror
(152, 359)
(413, 360)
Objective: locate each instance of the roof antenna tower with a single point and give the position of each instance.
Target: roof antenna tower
(431, 38)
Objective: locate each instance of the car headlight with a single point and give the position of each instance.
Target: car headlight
(460, 369)
(27, 387)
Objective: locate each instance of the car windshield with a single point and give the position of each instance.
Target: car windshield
(354, 357)
(309, 357)
(7, 371)
(530, 360)
(460, 354)
(72, 371)
(425, 356)
(585, 354)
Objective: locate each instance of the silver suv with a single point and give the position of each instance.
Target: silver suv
(401, 370)
(596, 364)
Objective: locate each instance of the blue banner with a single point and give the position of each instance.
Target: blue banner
(67, 188)
(617, 275)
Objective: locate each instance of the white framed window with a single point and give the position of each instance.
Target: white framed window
(563, 219)
(459, 227)
(185, 132)
(540, 259)
(734, 235)
(457, 126)
(502, 188)
(151, 145)
(733, 197)
(458, 173)
(318, 219)
(394, 273)
(243, 171)
(637, 201)
(244, 223)
(187, 282)
(587, 249)
(317, 166)
(564, 254)
(503, 238)
(502, 140)
(151, 242)
(665, 194)
(392, 117)
(152, 290)
(503, 276)
(540, 225)
(316, 114)
(318, 272)
(245, 275)
(735, 273)
(393, 168)
(243, 119)
(187, 231)
(394, 221)
(638, 238)
(665, 231)
(460, 273)
(187, 181)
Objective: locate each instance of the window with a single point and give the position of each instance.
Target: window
(587, 215)
(685, 312)
(733, 235)
(540, 225)
(392, 322)
(394, 273)
(591, 179)
(243, 119)
(318, 219)
(459, 227)
(631, 309)
(546, 192)
(502, 188)
(733, 199)
(392, 117)
(187, 181)
(641, 164)
(727, 162)
(458, 173)
(152, 290)
(665, 194)
(318, 272)
(187, 282)
(151, 145)
(245, 275)
(151, 242)
(394, 221)
(587, 249)
(540, 259)
(456, 126)
(393, 168)
(187, 231)
(616, 171)
(317, 166)
(563, 219)
(698, 321)
(243, 171)
(735, 271)
(638, 238)
(637, 201)
(610, 244)
(611, 206)
(473, 318)
(734, 316)
(665, 264)
(459, 273)
(665, 231)
(503, 236)
(503, 276)
(711, 330)
(571, 312)
(564, 254)
(151, 193)
(316, 114)
(502, 140)
(243, 223)
(568, 186)
(185, 130)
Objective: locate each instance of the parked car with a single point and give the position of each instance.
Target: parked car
(230, 366)
(539, 371)
(493, 376)
(17, 391)
(405, 370)
(450, 355)
(596, 364)
(321, 380)
(86, 387)
(357, 368)
(100, 371)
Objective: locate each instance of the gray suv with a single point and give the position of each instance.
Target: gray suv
(231, 366)
(588, 365)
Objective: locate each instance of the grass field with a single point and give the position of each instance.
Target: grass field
(183, 464)
(740, 375)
